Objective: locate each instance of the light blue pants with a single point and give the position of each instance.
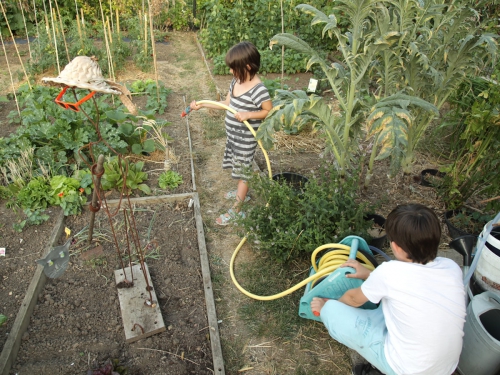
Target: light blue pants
(361, 330)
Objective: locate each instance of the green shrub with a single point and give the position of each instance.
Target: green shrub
(287, 224)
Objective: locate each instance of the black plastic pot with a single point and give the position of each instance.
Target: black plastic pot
(295, 180)
(425, 181)
(378, 242)
(453, 230)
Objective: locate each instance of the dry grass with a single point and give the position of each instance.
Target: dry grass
(306, 140)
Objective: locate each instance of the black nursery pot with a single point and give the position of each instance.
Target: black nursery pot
(424, 181)
(378, 242)
(295, 180)
(453, 230)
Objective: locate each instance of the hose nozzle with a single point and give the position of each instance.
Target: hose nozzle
(186, 111)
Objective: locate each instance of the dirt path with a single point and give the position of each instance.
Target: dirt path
(243, 349)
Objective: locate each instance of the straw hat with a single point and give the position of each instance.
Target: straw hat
(83, 72)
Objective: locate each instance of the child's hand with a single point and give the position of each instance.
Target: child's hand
(361, 272)
(194, 106)
(317, 304)
(242, 116)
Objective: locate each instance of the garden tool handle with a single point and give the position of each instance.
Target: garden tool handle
(354, 248)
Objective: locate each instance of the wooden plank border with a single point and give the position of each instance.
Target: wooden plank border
(11, 347)
(13, 343)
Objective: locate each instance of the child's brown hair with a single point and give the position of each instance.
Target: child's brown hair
(416, 229)
(242, 58)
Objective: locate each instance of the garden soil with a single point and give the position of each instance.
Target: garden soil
(77, 324)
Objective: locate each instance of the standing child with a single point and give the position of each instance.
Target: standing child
(250, 98)
(418, 327)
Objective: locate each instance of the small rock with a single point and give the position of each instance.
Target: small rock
(26, 336)
(170, 327)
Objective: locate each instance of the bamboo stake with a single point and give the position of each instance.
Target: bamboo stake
(25, 28)
(37, 30)
(117, 22)
(109, 31)
(47, 30)
(55, 39)
(15, 44)
(10, 72)
(110, 68)
(154, 51)
(145, 34)
(84, 29)
(111, 16)
(62, 31)
(282, 47)
(79, 28)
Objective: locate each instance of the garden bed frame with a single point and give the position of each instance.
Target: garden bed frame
(13, 343)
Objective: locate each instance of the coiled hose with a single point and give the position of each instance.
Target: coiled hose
(328, 263)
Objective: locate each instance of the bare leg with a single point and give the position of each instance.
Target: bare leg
(241, 194)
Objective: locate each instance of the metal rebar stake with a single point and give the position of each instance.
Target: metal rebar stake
(94, 206)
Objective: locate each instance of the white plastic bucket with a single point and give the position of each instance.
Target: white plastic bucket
(481, 347)
(487, 273)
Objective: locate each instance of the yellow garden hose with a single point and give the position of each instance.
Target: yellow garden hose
(327, 264)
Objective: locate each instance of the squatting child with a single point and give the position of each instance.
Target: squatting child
(250, 98)
(418, 326)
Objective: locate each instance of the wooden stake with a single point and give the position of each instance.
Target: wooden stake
(62, 31)
(10, 72)
(15, 44)
(154, 51)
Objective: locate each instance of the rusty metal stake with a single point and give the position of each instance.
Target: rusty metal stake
(98, 171)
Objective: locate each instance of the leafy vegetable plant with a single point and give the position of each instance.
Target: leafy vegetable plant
(116, 170)
(169, 180)
(33, 217)
(65, 192)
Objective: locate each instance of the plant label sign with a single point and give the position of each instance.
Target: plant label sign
(313, 84)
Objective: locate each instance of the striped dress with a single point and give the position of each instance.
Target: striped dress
(240, 142)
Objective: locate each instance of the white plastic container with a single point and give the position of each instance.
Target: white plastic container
(487, 273)
(481, 347)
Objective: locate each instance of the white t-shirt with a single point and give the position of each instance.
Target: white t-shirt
(424, 310)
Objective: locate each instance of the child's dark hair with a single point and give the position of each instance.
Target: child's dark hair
(416, 229)
(240, 57)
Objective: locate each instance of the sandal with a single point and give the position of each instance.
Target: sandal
(232, 195)
(229, 216)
